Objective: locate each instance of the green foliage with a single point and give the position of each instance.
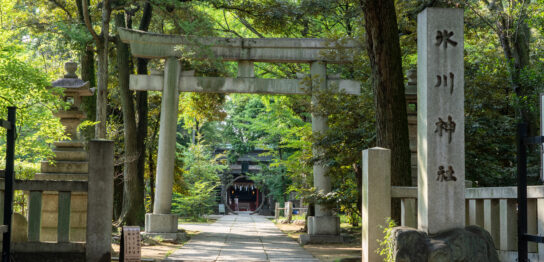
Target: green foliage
(387, 243)
(25, 87)
(196, 196)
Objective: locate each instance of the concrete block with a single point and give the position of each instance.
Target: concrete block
(49, 219)
(78, 219)
(78, 202)
(77, 234)
(50, 202)
(324, 225)
(161, 223)
(48, 234)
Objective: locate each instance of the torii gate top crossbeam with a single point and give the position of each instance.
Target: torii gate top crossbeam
(281, 50)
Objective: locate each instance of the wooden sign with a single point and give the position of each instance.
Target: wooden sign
(130, 244)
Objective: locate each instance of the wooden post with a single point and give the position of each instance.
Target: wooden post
(276, 210)
(289, 211)
(100, 201)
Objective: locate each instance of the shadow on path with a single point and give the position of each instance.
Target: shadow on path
(240, 238)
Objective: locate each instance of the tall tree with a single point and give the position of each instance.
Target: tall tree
(133, 194)
(102, 45)
(382, 37)
(142, 106)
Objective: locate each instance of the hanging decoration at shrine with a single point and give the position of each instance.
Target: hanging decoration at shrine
(241, 186)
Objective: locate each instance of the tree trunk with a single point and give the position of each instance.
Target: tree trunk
(514, 39)
(388, 86)
(87, 74)
(142, 104)
(102, 48)
(133, 198)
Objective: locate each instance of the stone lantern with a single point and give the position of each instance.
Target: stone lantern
(74, 90)
(69, 162)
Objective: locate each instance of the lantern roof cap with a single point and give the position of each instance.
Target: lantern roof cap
(72, 82)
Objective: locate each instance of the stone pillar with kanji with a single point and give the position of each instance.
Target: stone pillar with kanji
(441, 141)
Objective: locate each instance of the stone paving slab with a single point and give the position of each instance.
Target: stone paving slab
(240, 238)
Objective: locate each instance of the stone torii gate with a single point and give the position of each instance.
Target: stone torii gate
(323, 226)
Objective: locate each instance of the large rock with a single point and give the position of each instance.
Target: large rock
(472, 243)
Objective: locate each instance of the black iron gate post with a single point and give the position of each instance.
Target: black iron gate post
(522, 141)
(9, 180)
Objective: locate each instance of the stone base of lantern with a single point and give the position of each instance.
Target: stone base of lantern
(69, 163)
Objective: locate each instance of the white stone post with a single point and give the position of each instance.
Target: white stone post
(540, 225)
(492, 219)
(441, 151)
(508, 225)
(408, 212)
(376, 199)
(161, 221)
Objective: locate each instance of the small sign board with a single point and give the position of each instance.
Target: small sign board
(130, 244)
(221, 209)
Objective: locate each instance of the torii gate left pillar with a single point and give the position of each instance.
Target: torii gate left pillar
(161, 220)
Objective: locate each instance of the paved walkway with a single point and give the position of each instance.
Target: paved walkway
(240, 238)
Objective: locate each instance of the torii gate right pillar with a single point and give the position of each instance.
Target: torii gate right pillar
(323, 227)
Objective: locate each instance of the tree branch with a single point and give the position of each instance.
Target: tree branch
(87, 19)
(249, 26)
(59, 5)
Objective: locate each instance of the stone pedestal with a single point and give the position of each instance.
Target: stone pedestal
(324, 225)
(161, 223)
(322, 230)
(69, 163)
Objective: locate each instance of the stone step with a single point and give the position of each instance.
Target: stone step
(69, 144)
(77, 167)
(62, 176)
(70, 155)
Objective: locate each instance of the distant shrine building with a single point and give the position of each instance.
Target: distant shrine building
(238, 192)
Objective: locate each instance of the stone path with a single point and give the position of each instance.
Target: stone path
(240, 238)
